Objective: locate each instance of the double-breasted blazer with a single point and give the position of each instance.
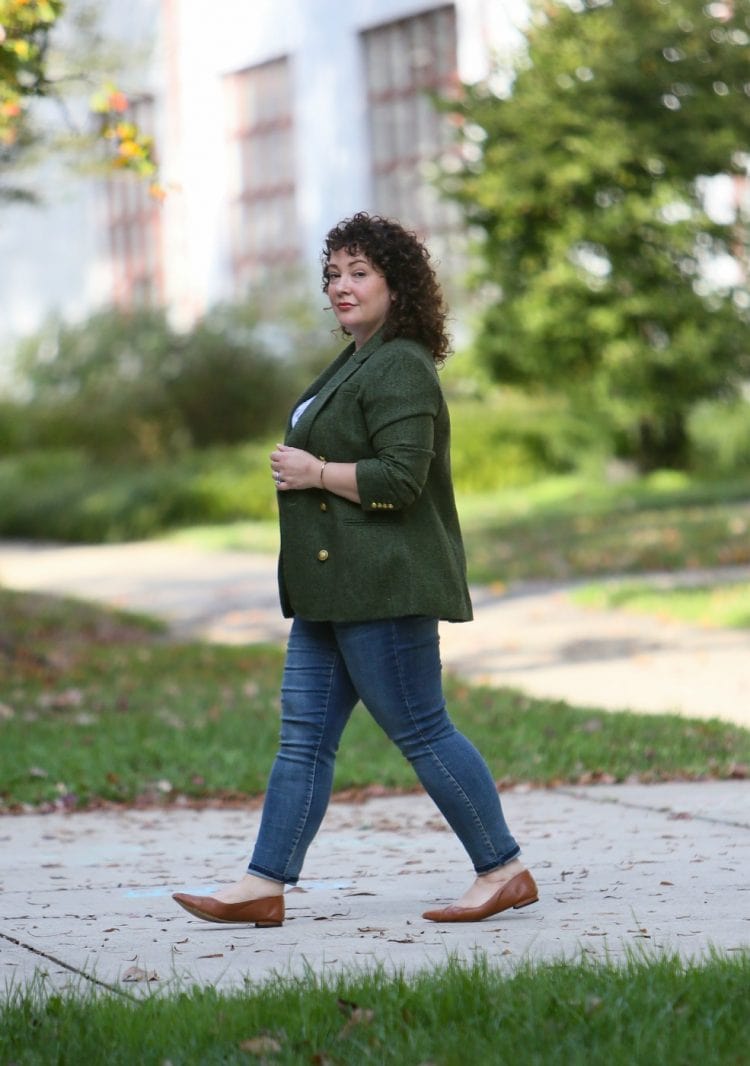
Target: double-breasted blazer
(399, 551)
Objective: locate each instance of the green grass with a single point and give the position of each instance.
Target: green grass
(567, 527)
(571, 1013)
(261, 537)
(725, 605)
(99, 707)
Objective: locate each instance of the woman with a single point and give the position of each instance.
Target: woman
(371, 558)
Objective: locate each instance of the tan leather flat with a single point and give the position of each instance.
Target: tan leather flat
(519, 892)
(265, 912)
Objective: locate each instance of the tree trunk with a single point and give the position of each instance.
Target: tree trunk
(662, 443)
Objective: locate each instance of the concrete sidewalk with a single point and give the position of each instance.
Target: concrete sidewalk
(652, 869)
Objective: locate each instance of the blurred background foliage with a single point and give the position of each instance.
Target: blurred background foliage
(584, 182)
(607, 342)
(129, 386)
(121, 427)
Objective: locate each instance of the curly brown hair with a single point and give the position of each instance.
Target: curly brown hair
(418, 311)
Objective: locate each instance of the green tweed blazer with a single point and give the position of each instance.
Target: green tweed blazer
(398, 552)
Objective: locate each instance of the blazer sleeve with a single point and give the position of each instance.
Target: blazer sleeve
(400, 400)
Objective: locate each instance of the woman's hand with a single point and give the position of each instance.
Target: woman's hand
(294, 469)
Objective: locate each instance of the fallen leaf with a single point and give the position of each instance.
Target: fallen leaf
(72, 697)
(216, 955)
(135, 973)
(592, 725)
(261, 1045)
(359, 1016)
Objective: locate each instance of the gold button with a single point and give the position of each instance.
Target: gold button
(324, 506)
(322, 555)
(373, 504)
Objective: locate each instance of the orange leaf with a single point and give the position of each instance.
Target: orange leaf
(117, 101)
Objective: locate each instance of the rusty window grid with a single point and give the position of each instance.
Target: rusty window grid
(406, 61)
(134, 229)
(262, 200)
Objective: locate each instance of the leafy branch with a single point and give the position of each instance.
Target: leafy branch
(25, 29)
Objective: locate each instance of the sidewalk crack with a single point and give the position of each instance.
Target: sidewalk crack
(66, 966)
(674, 814)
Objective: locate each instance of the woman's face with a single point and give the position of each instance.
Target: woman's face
(359, 294)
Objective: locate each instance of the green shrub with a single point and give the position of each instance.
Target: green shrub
(227, 391)
(99, 385)
(13, 426)
(66, 496)
(121, 386)
(509, 441)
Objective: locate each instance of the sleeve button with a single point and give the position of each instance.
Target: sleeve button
(322, 555)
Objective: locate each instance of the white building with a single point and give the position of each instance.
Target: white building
(274, 119)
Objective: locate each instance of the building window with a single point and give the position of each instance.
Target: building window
(407, 61)
(263, 215)
(134, 229)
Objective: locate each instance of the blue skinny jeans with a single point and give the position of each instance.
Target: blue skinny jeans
(393, 667)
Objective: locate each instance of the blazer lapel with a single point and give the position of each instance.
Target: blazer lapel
(326, 384)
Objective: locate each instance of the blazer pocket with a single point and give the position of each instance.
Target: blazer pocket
(376, 520)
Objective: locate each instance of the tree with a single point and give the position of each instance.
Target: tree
(26, 31)
(585, 179)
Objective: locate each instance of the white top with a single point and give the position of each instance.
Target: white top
(300, 410)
